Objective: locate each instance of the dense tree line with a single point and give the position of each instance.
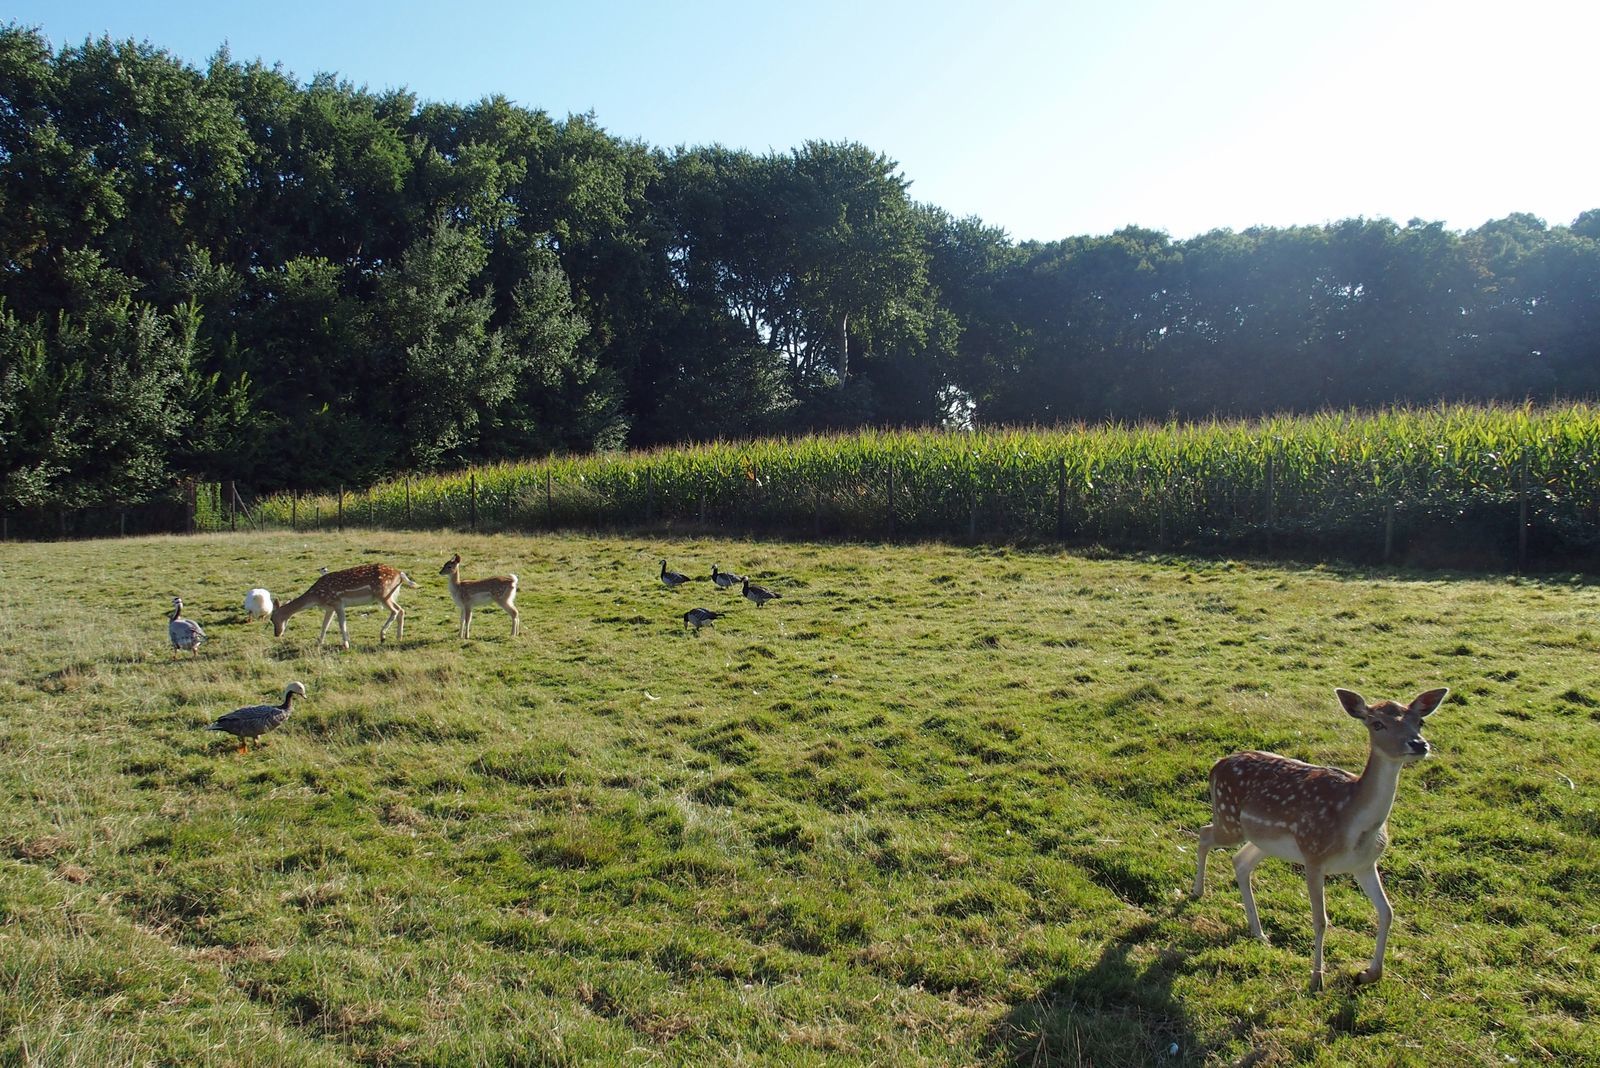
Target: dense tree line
(229, 273)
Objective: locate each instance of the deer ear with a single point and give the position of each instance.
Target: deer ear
(1425, 703)
(456, 559)
(1354, 704)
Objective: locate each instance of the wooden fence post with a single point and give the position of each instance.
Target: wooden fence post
(816, 509)
(294, 511)
(972, 506)
(408, 498)
(1388, 531)
(549, 500)
(341, 506)
(1272, 512)
(1522, 515)
(472, 500)
(1061, 499)
(891, 502)
(649, 496)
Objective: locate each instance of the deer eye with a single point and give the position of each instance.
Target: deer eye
(1378, 725)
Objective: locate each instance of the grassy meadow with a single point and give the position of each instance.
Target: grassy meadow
(936, 805)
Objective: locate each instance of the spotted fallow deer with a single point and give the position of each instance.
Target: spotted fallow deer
(469, 593)
(338, 590)
(1324, 818)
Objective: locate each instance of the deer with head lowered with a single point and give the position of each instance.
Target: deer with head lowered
(468, 593)
(354, 586)
(1324, 818)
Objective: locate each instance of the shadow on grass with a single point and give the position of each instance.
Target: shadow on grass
(1119, 1011)
(288, 651)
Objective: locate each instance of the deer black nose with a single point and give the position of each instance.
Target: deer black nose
(1419, 746)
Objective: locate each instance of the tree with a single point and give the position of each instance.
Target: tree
(562, 400)
(91, 403)
(439, 366)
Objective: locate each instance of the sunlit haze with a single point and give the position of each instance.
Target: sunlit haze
(1049, 120)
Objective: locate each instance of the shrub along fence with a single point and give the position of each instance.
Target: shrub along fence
(1453, 486)
(187, 507)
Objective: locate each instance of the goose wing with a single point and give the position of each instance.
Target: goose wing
(185, 633)
(250, 721)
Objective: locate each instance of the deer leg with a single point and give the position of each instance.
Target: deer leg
(1319, 922)
(344, 629)
(397, 615)
(1206, 842)
(1244, 866)
(466, 622)
(516, 617)
(327, 618)
(1372, 883)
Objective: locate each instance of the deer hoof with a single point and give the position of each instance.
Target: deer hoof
(1369, 976)
(1316, 982)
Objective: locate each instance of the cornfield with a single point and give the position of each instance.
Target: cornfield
(1497, 481)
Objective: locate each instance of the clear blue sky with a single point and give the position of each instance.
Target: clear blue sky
(1049, 119)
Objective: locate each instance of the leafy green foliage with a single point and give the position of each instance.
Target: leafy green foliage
(91, 405)
(439, 363)
(1446, 485)
(376, 284)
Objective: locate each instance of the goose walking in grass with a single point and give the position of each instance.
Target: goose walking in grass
(253, 721)
(672, 579)
(759, 594)
(257, 603)
(699, 617)
(724, 579)
(183, 633)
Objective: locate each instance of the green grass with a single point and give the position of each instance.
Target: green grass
(934, 805)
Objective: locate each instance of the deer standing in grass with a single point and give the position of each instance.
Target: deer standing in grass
(502, 590)
(354, 586)
(1324, 818)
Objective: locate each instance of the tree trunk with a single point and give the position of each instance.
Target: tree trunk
(844, 347)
